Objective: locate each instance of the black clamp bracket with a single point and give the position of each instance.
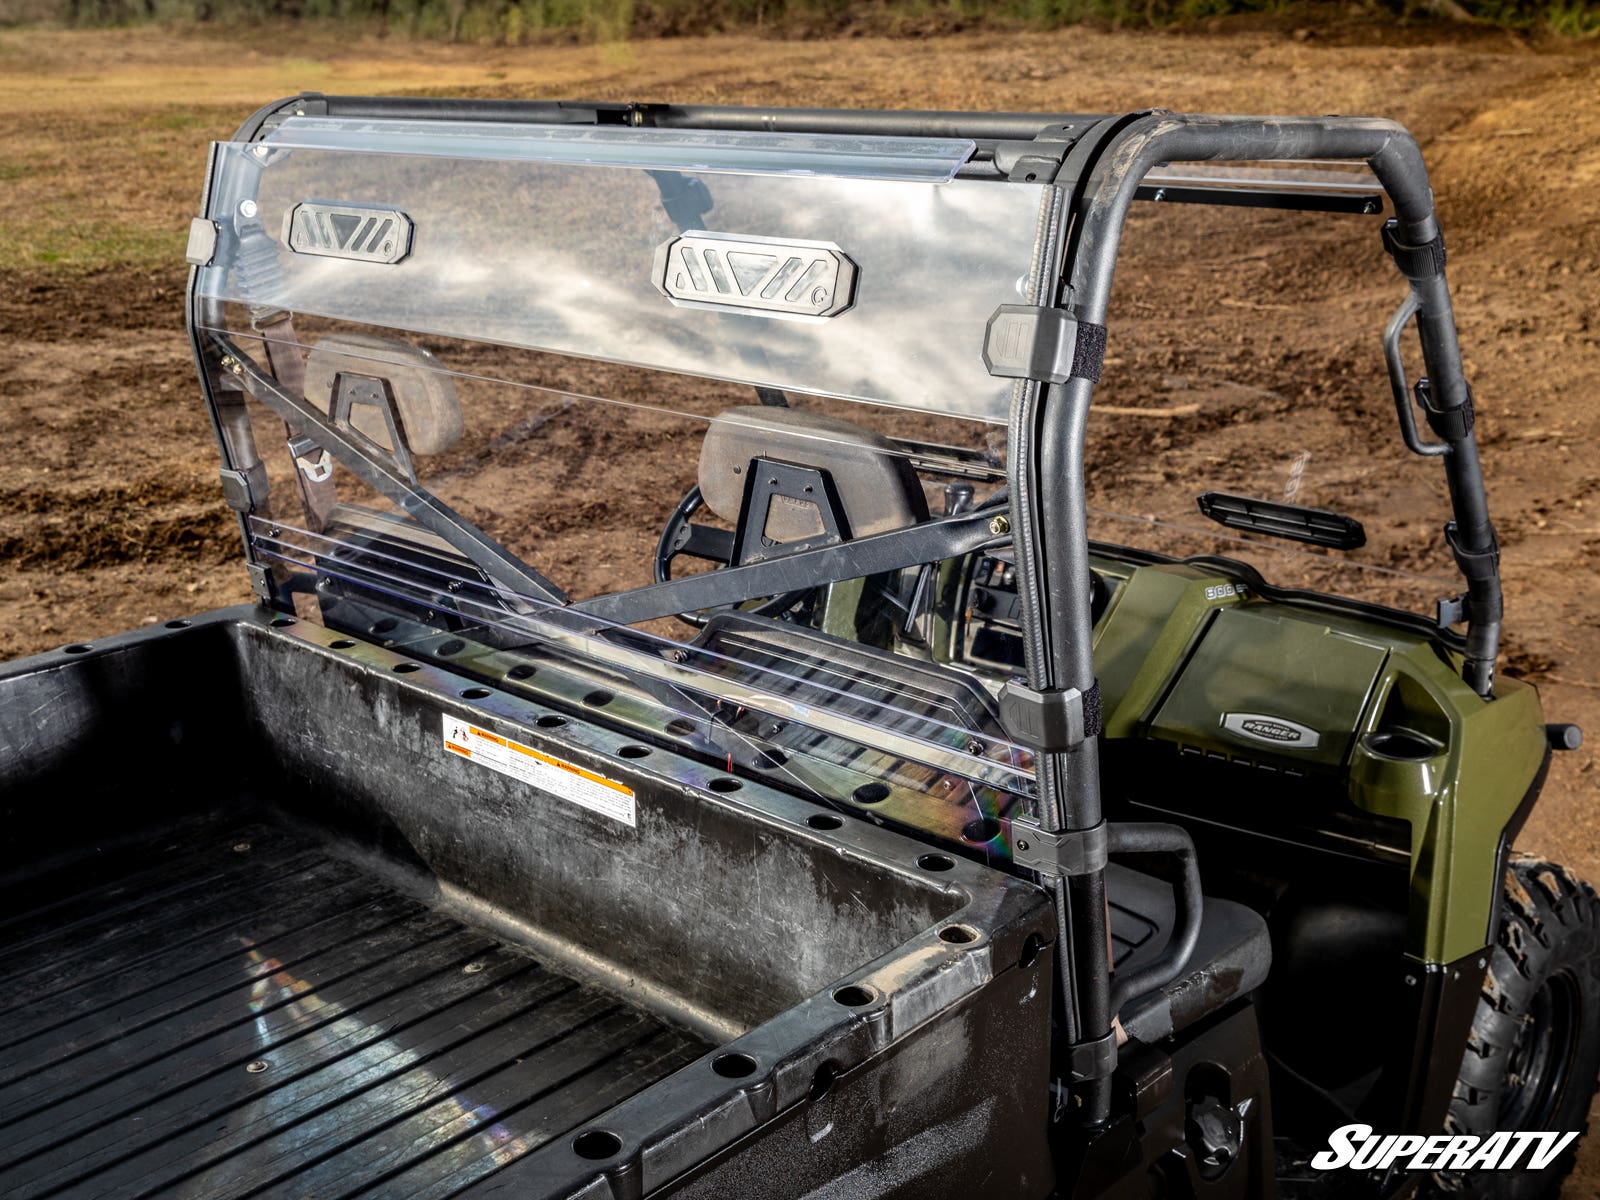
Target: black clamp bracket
(1415, 262)
(1451, 424)
(1090, 1060)
(1025, 341)
(245, 491)
(1050, 721)
(1065, 852)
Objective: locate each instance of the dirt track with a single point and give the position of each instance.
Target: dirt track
(109, 512)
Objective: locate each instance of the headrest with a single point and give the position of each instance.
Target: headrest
(424, 395)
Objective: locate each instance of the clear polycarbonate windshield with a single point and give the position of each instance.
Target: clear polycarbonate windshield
(847, 267)
(697, 432)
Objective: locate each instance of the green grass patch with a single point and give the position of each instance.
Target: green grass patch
(87, 244)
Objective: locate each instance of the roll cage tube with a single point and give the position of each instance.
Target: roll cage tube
(1414, 242)
(1048, 481)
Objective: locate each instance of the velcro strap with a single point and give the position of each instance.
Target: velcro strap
(1093, 715)
(1415, 262)
(1474, 564)
(1451, 424)
(1089, 352)
(1095, 1059)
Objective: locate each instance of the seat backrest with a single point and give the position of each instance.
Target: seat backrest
(876, 487)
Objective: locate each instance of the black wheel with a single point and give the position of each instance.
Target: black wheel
(1534, 1051)
(680, 536)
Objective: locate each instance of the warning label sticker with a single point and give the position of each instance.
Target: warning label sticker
(568, 781)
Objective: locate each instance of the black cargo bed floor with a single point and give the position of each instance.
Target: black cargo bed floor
(235, 1010)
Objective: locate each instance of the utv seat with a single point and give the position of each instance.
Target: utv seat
(1230, 960)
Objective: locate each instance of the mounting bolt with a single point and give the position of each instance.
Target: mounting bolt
(1000, 525)
(247, 209)
(472, 968)
(255, 1068)
(241, 847)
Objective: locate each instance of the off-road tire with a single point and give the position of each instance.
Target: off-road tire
(1538, 1022)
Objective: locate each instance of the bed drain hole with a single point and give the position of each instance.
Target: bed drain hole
(282, 622)
(633, 751)
(822, 1081)
(341, 644)
(453, 646)
(177, 624)
(596, 1144)
(935, 862)
(824, 821)
(734, 1066)
(871, 793)
(406, 668)
(958, 935)
(599, 698)
(551, 722)
(679, 726)
(853, 995)
(475, 693)
(384, 625)
(521, 671)
(725, 783)
(78, 648)
(255, 1068)
(984, 829)
(1030, 950)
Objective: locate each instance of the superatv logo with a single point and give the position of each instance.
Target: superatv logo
(1358, 1147)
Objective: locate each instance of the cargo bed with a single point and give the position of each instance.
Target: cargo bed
(263, 932)
(234, 1005)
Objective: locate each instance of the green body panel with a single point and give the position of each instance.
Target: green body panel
(1459, 801)
(1260, 660)
(1175, 656)
(1145, 635)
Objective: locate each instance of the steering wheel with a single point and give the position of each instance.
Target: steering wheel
(680, 537)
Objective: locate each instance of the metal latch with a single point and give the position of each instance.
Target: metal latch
(1025, 341)
(1049, 721)
(202, 248)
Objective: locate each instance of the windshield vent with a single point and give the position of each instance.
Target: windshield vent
(763, 274)
(378, 235)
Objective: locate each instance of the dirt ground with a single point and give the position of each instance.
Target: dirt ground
(110, 515)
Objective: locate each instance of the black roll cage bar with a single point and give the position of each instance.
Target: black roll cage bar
(1099, 161)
